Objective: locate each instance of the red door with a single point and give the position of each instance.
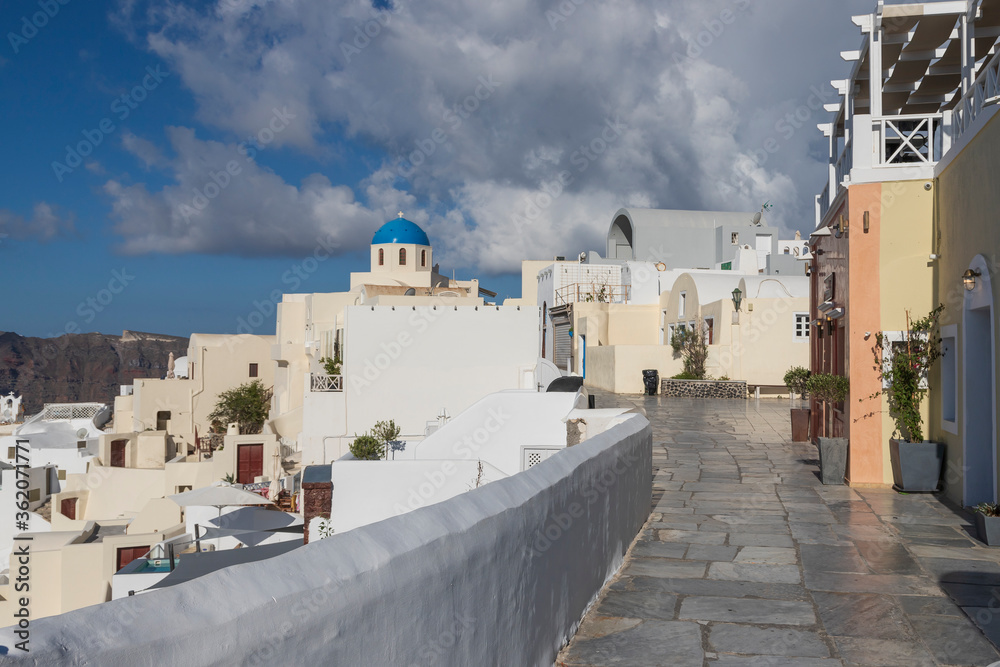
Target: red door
(128, 554)
(249, 463)
(68, 508)
(118, 453)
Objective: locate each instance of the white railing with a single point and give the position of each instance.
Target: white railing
(71, 410)
(844, 164)
(909, 139)
(984, 90)
(824, 204)
(322, 382)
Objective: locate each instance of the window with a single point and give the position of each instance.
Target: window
(710, 330)
(162, 417)
(682, 305)
(949, 377)
(12, 453)
(253, 370)
(423, 258)
(734, 238)
(34, 495)
(381, 256)
(801, 326)
(788, 250)
(402, 256)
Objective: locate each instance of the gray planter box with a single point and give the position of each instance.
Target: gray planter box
(988, 528)
(916, 466)
(832, 459)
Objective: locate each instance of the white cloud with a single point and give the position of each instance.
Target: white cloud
(478, 105)
(45, 224)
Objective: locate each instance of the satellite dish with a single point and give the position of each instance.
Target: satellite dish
(756, 218)
(82, 433)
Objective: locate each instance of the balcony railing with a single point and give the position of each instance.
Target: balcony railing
(984, 91)
(910, 139)
(322, 382)
(591, 293)
(72, 410)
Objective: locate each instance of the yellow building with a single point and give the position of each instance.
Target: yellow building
(907, 211)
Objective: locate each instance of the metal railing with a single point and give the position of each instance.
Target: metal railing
(985, 89)
(591, 293)
(323, 382)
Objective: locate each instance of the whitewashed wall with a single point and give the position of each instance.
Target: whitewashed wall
(501, 575)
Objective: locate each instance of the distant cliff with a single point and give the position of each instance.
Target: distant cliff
(81, 367)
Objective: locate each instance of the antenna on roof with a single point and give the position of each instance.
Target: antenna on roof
(766, 206)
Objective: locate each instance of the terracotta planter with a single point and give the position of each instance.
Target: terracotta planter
(832, 459)
(800, 424)
(988, 528)
(916, 466)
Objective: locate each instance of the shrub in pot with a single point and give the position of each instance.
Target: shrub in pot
(902, 367)
(796, 379)
(988, 523)
(827, 388)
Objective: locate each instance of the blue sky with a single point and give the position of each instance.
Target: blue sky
(460, 113)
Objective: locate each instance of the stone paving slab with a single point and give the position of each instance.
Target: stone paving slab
(747, 559)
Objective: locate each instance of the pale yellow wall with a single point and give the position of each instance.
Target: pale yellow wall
(619, 368)
(907, 274)
(529, 282)
(968, 222)
(158, 515)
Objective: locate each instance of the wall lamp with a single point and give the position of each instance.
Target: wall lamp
(737, 298)
(969, 279)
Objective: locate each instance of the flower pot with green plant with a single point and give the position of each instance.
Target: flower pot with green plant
(988, 523)
(830, 389)
(903, 363)
(796, 379)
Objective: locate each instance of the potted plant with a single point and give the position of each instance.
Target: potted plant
(827, 388)
(796, 379)
(988, 523)
(902, 366)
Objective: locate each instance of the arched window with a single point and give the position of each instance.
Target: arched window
(402, 256)
(381, 256)
(423, 258)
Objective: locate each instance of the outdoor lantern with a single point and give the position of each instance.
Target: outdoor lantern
(737, 298)
(969, 279)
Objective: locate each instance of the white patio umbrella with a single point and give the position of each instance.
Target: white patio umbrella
(218, 495)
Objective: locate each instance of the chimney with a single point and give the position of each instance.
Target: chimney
(317, 494)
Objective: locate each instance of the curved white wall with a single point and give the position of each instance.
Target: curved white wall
(469, 581)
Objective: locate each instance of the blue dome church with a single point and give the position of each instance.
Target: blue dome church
(401, 246)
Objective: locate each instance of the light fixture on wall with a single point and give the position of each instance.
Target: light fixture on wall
(866, 221)
(737, 298)
(969, 279)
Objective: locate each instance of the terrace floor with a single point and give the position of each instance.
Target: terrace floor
(747, 559)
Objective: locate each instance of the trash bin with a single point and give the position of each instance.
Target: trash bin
(651, 378)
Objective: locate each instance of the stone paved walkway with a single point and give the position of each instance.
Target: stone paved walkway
(748, 560)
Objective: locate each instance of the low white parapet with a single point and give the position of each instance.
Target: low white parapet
(500, 575)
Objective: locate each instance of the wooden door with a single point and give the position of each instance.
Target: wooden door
(68, 508)
(249, 463)
(128, 554)
(118, 453)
